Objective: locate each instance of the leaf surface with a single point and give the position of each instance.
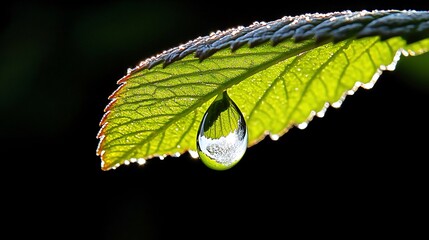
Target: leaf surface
(280, 74)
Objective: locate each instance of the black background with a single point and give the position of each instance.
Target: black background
(361, 168)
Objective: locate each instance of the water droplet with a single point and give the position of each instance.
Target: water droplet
(302, 125)
(338, 103)
(193, 154)
(141, 161)
(322, 112)
(222, 135)
(274, 137)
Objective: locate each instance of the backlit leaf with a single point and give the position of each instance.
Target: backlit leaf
(280, 74)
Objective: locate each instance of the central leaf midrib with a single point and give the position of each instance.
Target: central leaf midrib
(222, 87)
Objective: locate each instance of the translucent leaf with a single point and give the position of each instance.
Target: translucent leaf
(280, 74)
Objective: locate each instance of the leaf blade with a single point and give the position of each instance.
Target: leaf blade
(157, 108)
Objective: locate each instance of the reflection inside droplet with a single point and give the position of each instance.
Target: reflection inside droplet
(222, 136)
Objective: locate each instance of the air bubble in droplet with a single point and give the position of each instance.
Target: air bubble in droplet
(222, 135)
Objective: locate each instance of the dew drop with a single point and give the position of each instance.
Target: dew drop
(222, 135)
(338, 103)
(303, 125)
(322, 112)
(194, 154)
(274, 137)
(141, 161)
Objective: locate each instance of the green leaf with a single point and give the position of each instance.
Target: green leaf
(280, 74)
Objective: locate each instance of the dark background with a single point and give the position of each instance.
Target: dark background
(360, 168)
